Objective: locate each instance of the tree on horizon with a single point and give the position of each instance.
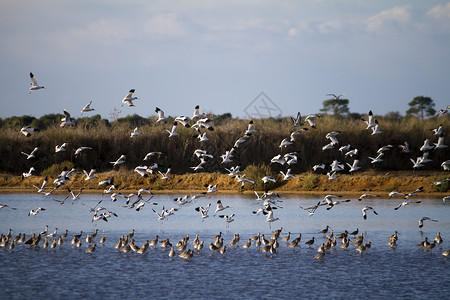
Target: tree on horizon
(421, 106)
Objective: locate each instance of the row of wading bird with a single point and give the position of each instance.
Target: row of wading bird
(127, 244)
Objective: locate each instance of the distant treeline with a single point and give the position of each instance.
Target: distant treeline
(110, 139)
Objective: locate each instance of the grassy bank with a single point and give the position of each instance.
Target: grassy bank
(109, 141)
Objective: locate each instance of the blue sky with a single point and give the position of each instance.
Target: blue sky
(222, 55)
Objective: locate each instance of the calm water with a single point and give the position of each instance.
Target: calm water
(404, 273)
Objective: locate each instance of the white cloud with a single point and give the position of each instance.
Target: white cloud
(166, 25)
(440, 12)
(329, 26)
(390, 20)
(439, 19)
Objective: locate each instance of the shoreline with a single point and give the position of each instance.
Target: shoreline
(379, 182)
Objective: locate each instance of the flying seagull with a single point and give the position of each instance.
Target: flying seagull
(129, 98)
(34, 85)
(87, 108)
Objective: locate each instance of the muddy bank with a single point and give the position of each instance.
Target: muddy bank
(370, 181)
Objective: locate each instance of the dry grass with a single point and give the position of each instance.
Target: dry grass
(109, 142)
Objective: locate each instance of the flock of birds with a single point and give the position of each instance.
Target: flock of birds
(185, 250)
(269, 200)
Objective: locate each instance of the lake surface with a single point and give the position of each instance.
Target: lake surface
(406, 272)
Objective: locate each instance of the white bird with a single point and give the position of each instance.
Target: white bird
(211, 188)
(417, 163)
(202, 137)
(438, 131)
(109, 189)
(114, 196)
(36, 211)
(311, 119)
(142, 203)
(312, 209)
(41, 189)
(393, 193)
(328, 146)
(87, 108)
(228, 218)
(366, 195)
(384, 148)
(414, 193)
(73, 195)
(78, 151)
(34, 85)
(365, 209)
(351, 153)
(32, 154)
(445, 199)
(243, 180)
(446, 165)
(196, 113)
(426, 145)
(269, 215)
(220, 207)
(161, 116)
(331, 175)
(370, 121)
(64, 176)
(332, 136)
(165, 176)
(28, 174)
(288, 175)
(200, 165)
(405, 147)
(266, 179)
(150, 154)
(203, 210)
(336, 166)
(425, 219)
(161, 216)
(404, 203)
(233, 171)
(443, 112)
(440, 143)
(135, 133)
(27, 130)
(173, 132)
(129, 98)
(250, 130)
(318, 166)
(376, 159)
(241, 141)
(297, 132)
(53, 234)
(330, 202)
(67, 120)
(183, 120)
(355, 166)
(297, 121)
(278, 159)
(61, 148)
(119, 161)
(285, 142)
(376, 128)
(441, 182)
(141, 170)
(227, 157)
(203, 123)
(90, 175)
